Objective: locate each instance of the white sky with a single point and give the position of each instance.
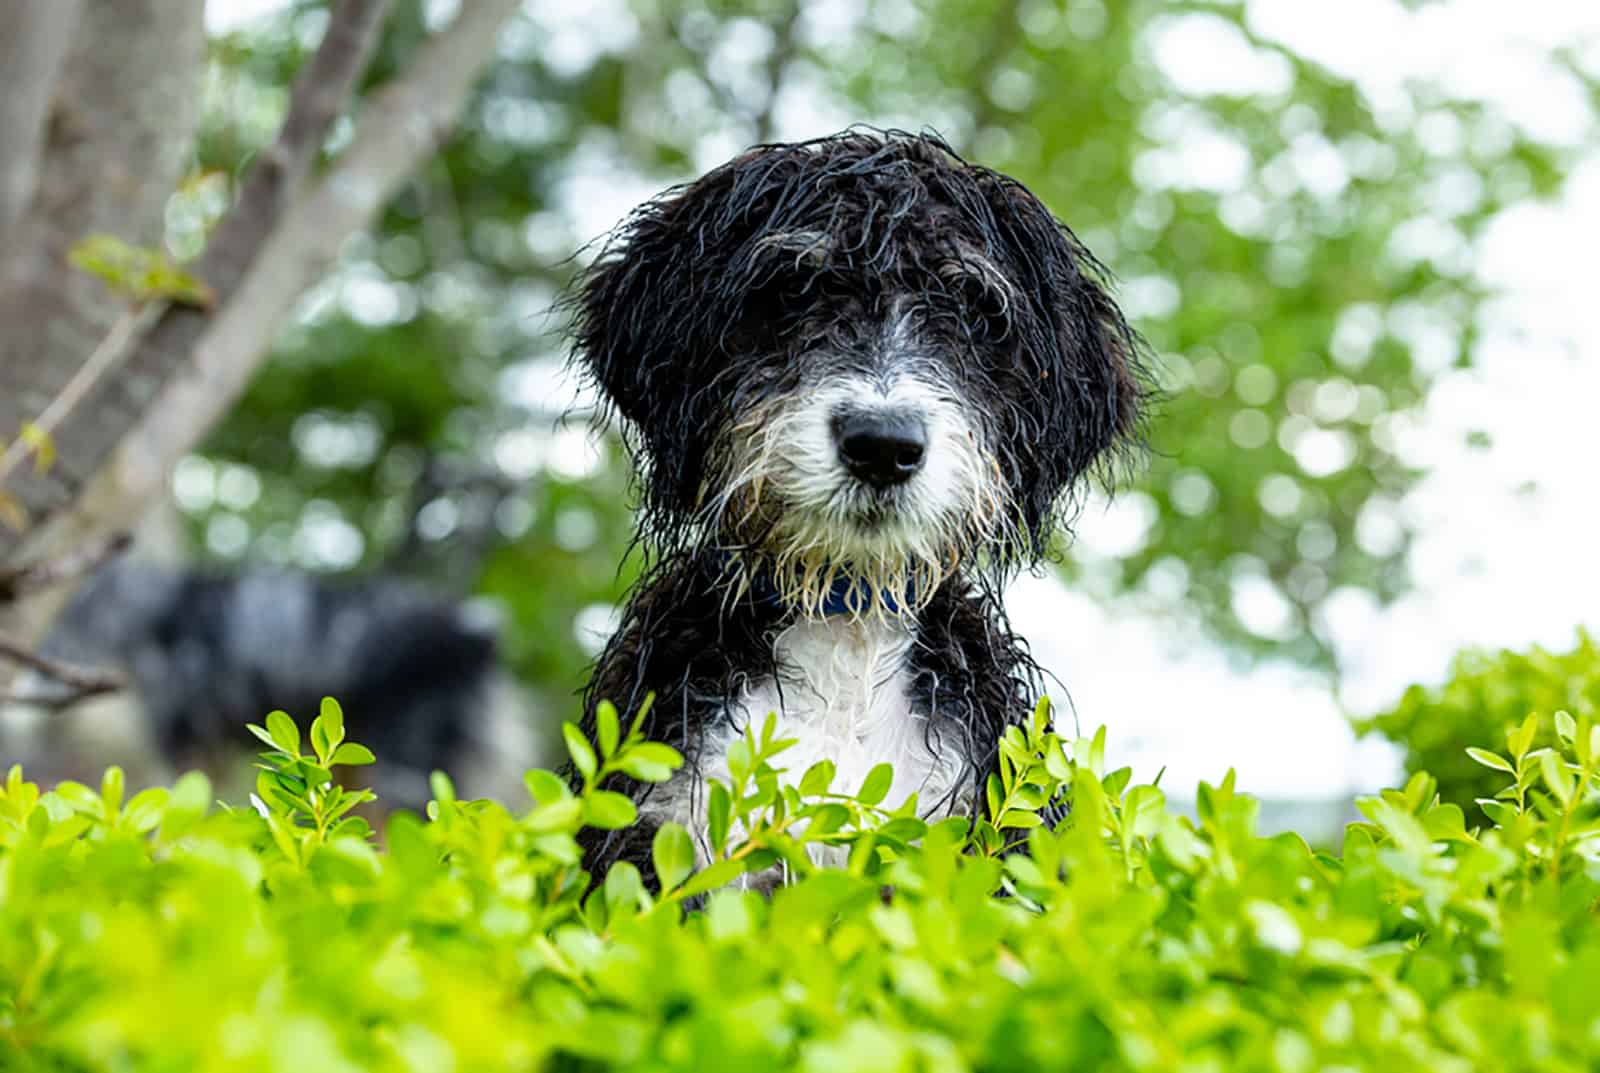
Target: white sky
(1493, 566)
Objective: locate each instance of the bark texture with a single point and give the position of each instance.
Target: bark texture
(34, 35)
(116, 138)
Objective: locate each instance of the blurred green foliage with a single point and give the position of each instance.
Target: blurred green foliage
(1297, 253)
(1486, 696)
(156, 933)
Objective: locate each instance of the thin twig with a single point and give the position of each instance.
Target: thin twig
(83, 681)
(44, 573)
(106, 357)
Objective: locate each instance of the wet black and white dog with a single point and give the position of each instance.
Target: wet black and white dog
(860, 378)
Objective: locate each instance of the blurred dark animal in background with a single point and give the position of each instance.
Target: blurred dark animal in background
(206, 652)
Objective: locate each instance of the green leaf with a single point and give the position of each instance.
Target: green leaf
(608, 728)
(740, 759)
(40, 443)
(332, 714)
(817, 779)
(1490, 760)
(579, 749)
(146, 809)
(261, 733)
(1556, 776)
(353, 755)
(1055, 761)
(672, 853)
(327, 729)
(719, 811)
(609, 810)
(188, 802)
(1522, 737)
(624, 889)
(269, 790)
(826, 820)
(876, 785)
(719, 874)
(284, 734)
(1039, 719)
(903, 830)
(140, 272)
(545, 786)
(112, 785)
(79, 797)
(282, 835)
(1566, 727)
(563, 815)
(728, 916)
(311, 773)
(649, 761)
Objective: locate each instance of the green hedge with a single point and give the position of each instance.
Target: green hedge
(1486, 695)
(164, 934)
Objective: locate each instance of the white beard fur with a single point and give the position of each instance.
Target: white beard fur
(842, 694)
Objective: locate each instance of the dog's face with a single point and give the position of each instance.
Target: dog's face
(858, 356)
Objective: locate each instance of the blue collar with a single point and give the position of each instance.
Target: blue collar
(847, 596)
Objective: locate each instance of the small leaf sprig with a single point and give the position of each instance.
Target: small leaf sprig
(304, 806)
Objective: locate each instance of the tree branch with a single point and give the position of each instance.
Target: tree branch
(84, 682)
(106, 357)
(402, 125)
(32, 577)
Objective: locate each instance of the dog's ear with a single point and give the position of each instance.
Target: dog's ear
(623, 332)
(654, 313)
(644, 334)
(1083, 393)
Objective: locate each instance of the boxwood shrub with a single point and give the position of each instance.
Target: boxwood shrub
(1486, 694)
(163, 932)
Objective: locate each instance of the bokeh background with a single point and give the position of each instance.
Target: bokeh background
(1358, 238)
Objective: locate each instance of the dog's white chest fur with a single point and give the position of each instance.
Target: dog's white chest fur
(842, 694)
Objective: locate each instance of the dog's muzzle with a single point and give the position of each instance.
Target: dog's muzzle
(881, 448)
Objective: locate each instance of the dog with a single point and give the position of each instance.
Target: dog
(206, 652)
(860, 379)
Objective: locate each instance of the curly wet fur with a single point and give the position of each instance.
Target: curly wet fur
(713, 320)
(684, 643)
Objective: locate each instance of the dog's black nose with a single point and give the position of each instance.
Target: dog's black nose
(881, 449)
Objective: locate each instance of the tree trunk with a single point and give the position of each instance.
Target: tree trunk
(117, 138)
(34, 35)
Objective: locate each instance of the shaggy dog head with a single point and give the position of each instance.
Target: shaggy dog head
(856, 358)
